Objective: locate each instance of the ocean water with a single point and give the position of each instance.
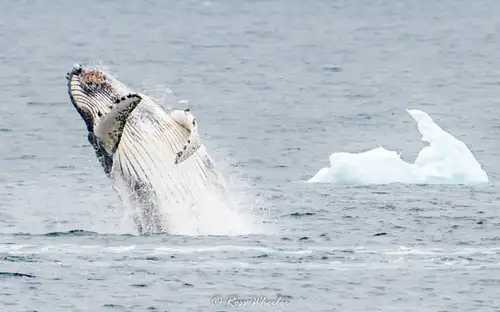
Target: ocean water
(277, 87)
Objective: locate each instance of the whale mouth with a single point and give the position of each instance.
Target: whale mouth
(93, 92)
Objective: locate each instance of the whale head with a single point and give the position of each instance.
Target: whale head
(93, 92)
(105, 105)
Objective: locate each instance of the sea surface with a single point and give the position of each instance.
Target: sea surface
(277, 86)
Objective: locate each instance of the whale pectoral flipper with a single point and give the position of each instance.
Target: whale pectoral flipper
(109, 128)
(188, 121)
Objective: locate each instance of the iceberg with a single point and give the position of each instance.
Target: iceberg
(446, 160)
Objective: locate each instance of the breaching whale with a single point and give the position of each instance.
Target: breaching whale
(153, 156)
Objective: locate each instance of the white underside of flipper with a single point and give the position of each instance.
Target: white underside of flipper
(110, 127)
(188, 121)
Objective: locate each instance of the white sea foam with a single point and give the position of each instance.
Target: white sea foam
(446, 160)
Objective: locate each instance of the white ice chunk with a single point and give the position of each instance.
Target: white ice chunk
(446, 160)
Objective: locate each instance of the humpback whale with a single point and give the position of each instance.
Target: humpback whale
(153, 156)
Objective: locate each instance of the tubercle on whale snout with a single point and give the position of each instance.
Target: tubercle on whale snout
(94, 80)
(76, 70)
